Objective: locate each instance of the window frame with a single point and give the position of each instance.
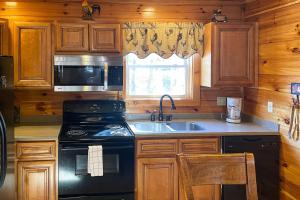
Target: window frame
(194, 94)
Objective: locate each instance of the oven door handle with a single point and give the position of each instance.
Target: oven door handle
(104, 148)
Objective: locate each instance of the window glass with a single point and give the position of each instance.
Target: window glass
(154, 76)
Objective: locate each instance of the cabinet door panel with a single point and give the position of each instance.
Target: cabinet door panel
(36, 180)
(72, 37)
(105, 38)
(32, 54)
(234, 50)
(3, 37)
(157, 178)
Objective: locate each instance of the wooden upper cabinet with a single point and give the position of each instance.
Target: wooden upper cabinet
(230, 55)
(105, 38)
(3, 37)
(72, 37)
(32, 54)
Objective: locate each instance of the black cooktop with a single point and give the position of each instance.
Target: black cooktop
(94, 121)
(100, 131)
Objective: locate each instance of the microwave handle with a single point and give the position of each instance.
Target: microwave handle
(105, 76)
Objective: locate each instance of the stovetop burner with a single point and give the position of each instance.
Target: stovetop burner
(94, 131)
(82, 123)
(76, 131)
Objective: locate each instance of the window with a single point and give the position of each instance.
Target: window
(154, 76)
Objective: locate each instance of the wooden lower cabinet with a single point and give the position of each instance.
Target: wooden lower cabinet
(157, 175)
(36, 170)
(157, 179)
(36, 180)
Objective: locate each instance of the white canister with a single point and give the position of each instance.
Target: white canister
(234, 108)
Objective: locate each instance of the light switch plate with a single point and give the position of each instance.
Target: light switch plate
(270, 106)
(221, 101)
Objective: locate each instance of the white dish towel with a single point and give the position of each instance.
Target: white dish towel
(95, 160)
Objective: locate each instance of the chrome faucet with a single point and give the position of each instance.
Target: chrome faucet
(161, 114)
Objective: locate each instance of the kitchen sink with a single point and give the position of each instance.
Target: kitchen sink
(165, 127)
(184, 126)
(152, 127)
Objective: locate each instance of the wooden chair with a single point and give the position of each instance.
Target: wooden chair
(217, 169)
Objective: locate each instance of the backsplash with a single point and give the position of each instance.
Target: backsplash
(46, 105)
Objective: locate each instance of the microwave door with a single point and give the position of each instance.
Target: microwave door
(3, 150)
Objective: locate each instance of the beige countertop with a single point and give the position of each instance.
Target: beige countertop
(211, 127)
(36, 133)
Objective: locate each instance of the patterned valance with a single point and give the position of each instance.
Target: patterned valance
(165, 39)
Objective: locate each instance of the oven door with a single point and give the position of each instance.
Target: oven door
(118, 167)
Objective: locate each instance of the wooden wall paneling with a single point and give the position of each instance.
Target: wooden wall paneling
(32, 54)
(122, 10)
(279, 44)
(47, 102)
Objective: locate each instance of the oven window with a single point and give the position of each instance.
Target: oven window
(79, 75)
(110, 164)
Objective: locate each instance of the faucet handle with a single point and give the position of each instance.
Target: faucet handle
(169, 117)
(152, 117)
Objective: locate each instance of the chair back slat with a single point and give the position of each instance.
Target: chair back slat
(217, 169)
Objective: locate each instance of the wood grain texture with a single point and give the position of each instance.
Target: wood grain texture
(230, 55)
(157, 176)
(4, 37)
(105, 38)
(36, 150)
(124, 10)
(32, 54)
(47, 103)
(205, 169)
(36, 180)
(72, 37)
(279, 43)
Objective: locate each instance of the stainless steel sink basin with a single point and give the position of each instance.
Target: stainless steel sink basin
(151, 127)
(165, 127)
(184, 126)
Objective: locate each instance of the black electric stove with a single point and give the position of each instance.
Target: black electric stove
(88, 123)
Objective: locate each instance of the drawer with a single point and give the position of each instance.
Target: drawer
(36, 150)
(202, 145)
(157, 147)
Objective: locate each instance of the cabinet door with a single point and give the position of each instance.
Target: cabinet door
(234, 54)
(32, 54)
(36, 180)
(72, 37)
(3, 37)
(105, 38)
(157, 178)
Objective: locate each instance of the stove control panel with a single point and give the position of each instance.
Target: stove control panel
(94, 106)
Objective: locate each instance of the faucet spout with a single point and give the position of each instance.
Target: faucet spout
(173, 107)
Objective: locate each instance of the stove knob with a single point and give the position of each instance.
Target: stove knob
(121, 107)
(115, 107)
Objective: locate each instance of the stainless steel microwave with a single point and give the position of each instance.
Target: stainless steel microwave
(74, 73)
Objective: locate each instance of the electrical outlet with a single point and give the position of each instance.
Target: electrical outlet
(221, 101)
(270, 106)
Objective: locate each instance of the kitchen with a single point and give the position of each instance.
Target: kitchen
(252, 56)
